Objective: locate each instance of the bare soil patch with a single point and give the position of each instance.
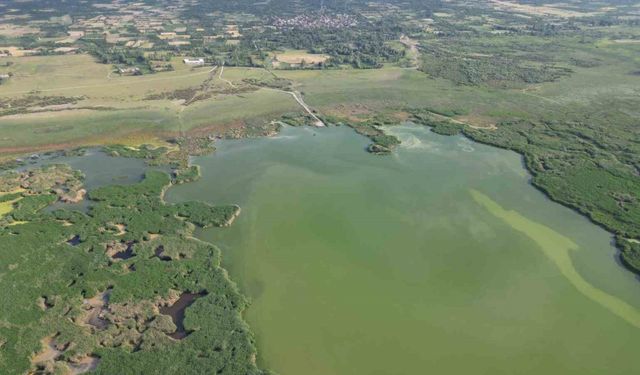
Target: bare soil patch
(12, 30)
(83, 364)
(16, 51)
(95, 308)
(297, 57)
(544, 10)
(50, 351)
(478, 122)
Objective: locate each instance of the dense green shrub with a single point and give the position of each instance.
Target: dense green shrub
(57, 259)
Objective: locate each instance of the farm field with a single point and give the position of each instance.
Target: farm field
(113, 109)
(119, 108)
(299, 58)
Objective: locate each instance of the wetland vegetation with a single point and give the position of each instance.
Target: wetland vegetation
(100, 291)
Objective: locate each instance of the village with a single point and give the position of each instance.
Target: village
(317, 20)
(139, 38)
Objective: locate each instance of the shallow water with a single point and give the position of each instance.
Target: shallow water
(439, 258)
(99, 169)
(177, 313)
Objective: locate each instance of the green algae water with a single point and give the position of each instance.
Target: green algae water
(440, 258)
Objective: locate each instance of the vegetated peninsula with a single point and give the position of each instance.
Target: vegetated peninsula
(107, 290)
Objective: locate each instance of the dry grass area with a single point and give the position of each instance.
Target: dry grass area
(545, 10)
(6, 207)
(297, 57)
(179, 43)
(72, 38)
(17, 51)
(353, 113)
(11, 30)
(627, 41)
(232, 31)
(478, 122)
(47, 359)
(111, 108)
(48, 353)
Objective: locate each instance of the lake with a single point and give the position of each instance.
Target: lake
(438, 258)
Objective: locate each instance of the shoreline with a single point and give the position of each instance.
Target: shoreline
(613, 232)
(238, 211)
(198, 261)
(466, 130)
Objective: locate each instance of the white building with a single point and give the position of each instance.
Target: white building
(194, 62)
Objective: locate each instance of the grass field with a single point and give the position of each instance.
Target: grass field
(113, 108)
(110, 108)
(6, 207)
(297, 57)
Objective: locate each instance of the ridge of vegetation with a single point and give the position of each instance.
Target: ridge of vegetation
(597, 175)
(91, 292)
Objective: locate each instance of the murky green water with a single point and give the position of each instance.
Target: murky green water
(438, 259)
(99, 169)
